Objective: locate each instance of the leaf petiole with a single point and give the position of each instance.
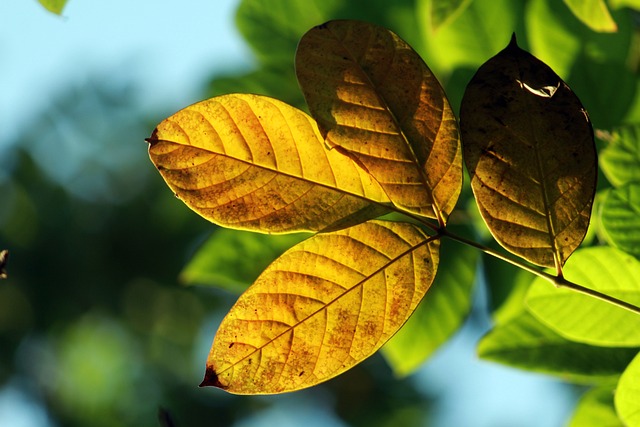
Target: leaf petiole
(558, 281)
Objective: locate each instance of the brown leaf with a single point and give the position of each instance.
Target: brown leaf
(377, 101)
(528, 145)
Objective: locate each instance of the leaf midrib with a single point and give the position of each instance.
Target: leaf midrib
(357, 286)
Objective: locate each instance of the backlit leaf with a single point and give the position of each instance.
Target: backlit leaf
(376, 100)
(627, 398)
(255, 163)
(440, 313)
(585, 319)
(620, 217)
(595, 409)
(476, 34)
(529, 149)
(54, 6)
(322, 307)
(445, 11)
(525, 343)
(617, 4)
(620, 159)
(232, 259)
(594, 14)
(274, 28)
(588, 59)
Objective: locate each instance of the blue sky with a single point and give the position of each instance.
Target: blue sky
(172, 46)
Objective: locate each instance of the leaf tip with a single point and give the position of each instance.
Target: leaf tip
(211, 379)
(153, 139)
(514, 40)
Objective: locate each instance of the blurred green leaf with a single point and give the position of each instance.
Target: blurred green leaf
(620, 160)
(593, 64)
(232, 259)
(54, 6)
(559, 39)
(273, 28)
(613, 81)
(617, 4)
(585, 319)
(508, 286)
(620, 217)
(595, 409)
(270, 80)
(627, 398)
(443, 12)
(482, 30)
(593, 13)
(525, 343)
(440, 313)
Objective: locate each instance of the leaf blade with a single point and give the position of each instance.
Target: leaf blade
(440, 313)
(53, 6)
(585, 319)
(232, 259)
(620, 217)
(376, 100)
(595, 409)
(628, 394)
(529, 149)
(620, 159)
(525, 343)
(305, 320)
(594, 14)
(255, 163)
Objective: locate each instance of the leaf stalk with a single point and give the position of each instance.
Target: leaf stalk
(558, 281)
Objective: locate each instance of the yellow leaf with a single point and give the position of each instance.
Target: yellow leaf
(376, 100)
(322, 307)
(255, 163)
(529, 148)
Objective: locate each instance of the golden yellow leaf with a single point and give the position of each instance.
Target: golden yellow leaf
(255, 163)
(528, 145)
(322, 307)
(376, 100)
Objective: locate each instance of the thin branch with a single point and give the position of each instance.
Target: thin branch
(558, 281)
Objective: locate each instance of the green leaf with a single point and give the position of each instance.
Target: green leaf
(595, 409)
(508, 286)
(585, 319)
(273, 28)
(618, 4)
(440, 313)
(620, 160)
(443, 12)
(477, 34)
(233, 259)
(54, 6)
(529, 149)
(620, 217)
(627, 398)
(525, 343)
(586, 59)
(594, 14)
(274, 80)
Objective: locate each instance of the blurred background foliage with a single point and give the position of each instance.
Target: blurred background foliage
(96, 328)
